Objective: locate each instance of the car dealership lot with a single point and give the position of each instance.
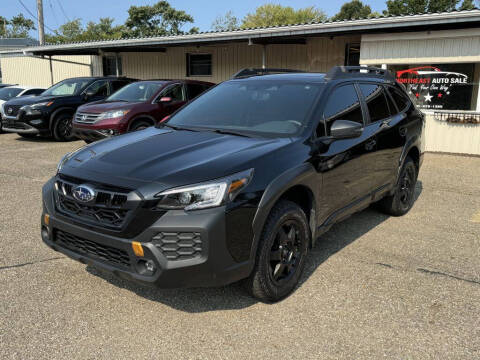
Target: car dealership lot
(403, 288)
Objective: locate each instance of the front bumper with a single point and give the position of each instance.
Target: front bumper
(90, 135)
(14, 125)
(173, 234)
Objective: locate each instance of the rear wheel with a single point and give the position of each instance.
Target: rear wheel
(62, 127)
(402, 199)
(28, 136)
(281, 255)
(140, 125)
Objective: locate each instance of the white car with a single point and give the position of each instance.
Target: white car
(10, 92)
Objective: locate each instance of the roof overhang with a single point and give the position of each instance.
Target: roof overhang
(272, 35)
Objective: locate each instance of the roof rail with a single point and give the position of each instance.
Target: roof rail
(339, 72)
(260, 71)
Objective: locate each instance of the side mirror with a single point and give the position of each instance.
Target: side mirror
(346, 129)
(88, 94)
(165, 99)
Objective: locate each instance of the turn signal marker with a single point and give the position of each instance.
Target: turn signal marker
(137, 248)
(46, 219)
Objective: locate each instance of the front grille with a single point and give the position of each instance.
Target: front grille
(86, 118)
(12, 124)
(12, 110)
(108, 209)
(179, 245)
(92, 249)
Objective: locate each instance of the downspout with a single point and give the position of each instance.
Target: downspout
(51, 69)
(117, 70)
(264, 56)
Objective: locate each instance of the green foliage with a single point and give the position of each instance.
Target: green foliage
(17, 27)
(273, 15)
(226, 22)
(354, 9)
(404, 7)
(467, 5)
(156, 20)
(74, 31)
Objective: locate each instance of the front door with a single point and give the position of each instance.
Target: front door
(177, 96)
(348, 165)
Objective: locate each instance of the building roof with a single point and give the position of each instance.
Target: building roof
(295, 33)
(16, 43)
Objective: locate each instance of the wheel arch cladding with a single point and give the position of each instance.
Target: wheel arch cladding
(140, 118)
(414, 154)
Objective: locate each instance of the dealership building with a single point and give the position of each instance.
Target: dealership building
(436, 56)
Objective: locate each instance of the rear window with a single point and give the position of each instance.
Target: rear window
(400, 99)
(376, 101)
(9, 92)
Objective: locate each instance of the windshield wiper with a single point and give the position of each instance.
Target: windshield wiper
(229, 132)
(174, 127)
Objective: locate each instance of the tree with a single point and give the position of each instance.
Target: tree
(405, 7)
(467, 5)
(226, 22)
(17, 27)
(74, 31)
(354, 9)
(273, 15)
(156, 20)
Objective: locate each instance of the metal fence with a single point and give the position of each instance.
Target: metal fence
(458, 117)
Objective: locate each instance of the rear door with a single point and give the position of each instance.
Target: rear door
(348, 165)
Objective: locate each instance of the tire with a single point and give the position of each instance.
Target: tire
(62, 127)
(403, 198)
(140, 125)
(88, 141)
(28, 136)
(281, 253)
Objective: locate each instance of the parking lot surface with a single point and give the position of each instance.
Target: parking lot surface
(374, 286)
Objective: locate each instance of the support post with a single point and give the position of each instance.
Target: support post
(41, 30)
(51, 69)
(117, 70)
(264, 56)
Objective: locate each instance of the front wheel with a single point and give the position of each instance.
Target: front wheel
(281, 255)
(62, 127)
(402, 199)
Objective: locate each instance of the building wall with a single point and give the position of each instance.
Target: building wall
(433, 47)
(319, 54)
(32, 71)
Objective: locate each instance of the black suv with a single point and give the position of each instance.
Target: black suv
(51, 113)
(240, 182)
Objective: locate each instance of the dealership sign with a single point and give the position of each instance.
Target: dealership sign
(439, 87)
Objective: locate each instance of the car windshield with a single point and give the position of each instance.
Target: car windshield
(136, 92)
(67, 87)
(9, 92)
(260, 106)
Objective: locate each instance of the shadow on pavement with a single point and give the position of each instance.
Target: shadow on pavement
(231, 297)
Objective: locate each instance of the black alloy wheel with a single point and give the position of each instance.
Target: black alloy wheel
(281, 253)
(63, 128)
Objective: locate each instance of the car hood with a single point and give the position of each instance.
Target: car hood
(29, 100)
(100, 107)
(168, 157)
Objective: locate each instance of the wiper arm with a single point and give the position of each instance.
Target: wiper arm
(229, 132)
(174, 127)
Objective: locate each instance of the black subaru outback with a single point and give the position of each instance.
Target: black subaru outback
(51, 112)
(239, 183)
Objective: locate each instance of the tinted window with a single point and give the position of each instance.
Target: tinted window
(67, 87)
(199, 64)
(33, 92)
(175, 92)
(401, 100)
(195, 89)
(376, 101)
(391, 105)
(98, 88)
(116, 85)
(9, 92)
(267, 107)
(343, 104)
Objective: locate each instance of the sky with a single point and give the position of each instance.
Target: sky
(57, 12)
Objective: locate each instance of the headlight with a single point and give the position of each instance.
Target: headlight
(39, 105)
(205, 195)
(114, 114)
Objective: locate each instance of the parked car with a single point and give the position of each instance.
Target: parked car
(134, 107)
(239, 183)
(10, 92)
(5, 85)
(52, 112)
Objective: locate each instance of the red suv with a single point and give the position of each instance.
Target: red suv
(134, 107)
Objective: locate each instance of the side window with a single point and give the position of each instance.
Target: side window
(175, 92)
(98, 88)
(195, 89)
(343, 104)
(117, 85)
(400, 99)
(391, 105)
(33, 92)
(376, 101)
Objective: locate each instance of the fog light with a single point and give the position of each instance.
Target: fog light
(150, 265)
(46, 219)
(45, 235)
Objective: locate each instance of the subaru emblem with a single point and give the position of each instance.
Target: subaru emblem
(83, 193)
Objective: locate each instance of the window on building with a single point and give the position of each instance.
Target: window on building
(199, 64)
(376, 101)
(352, 54)
(110, 65)
(343, 104)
